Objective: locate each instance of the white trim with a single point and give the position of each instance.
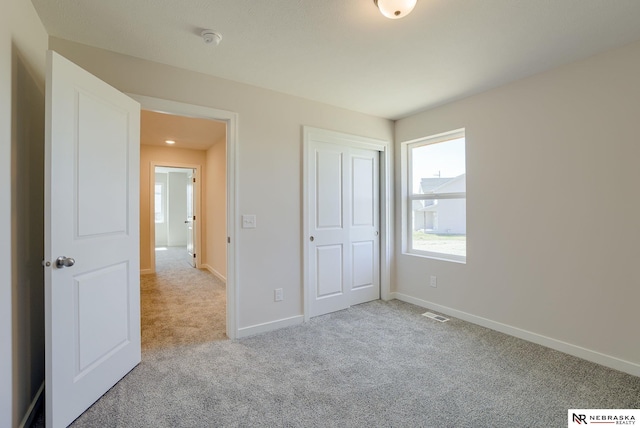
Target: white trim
(431, 196)
(305, 226)
(355, 141)
(435, 256)
(36, 404)
(231, 118)
(386, 202)
(6, 301)
(269, 326)
(386, 219)
(443, 257)
(198, 211)
(438, 138)
(214, 272)
(558, 345)
(408, 196)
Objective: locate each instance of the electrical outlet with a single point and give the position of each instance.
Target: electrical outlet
(278, 295)
(434, 281)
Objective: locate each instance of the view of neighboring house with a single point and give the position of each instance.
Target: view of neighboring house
(441, 216)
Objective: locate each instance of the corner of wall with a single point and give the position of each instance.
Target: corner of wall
(23, 45)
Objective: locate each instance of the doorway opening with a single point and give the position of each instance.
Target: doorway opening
(183, 163)
(175, 220)
(227, 173)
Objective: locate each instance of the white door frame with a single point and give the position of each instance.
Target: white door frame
(386, 199)
(197, 211)
(231, 118)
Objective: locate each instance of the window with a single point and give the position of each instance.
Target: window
(159, 205)
(436, 197)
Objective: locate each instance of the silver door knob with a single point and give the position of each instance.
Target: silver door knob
(311, 238)
(63, 261)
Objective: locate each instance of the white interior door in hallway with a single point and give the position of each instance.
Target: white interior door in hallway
(92, 264)
(174, 191)
(344, 224)
(191, 218)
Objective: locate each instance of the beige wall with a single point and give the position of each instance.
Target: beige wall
(168, 156)
(23, 42)
(269, 163)
(216, 204)
(552, 179)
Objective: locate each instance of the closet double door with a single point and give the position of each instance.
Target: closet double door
(344, 226)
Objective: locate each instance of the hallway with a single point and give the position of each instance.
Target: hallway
(180, 305)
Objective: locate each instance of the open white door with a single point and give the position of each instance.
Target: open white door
(92, 293)
(191, 218)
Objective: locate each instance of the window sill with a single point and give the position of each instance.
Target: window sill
(436, 256)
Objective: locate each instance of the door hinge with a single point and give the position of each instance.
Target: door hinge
(194, 218)
(228, 240)
(194, 255)
(194, 180)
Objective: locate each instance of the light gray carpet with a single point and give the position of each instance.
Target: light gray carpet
(180, 305)
(376, 364)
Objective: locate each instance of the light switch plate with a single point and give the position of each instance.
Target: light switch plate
(248, 221)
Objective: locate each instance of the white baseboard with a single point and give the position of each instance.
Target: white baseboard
(214, 272)
(558, 345)
(269, 326)
(36, 403)
(145, 271)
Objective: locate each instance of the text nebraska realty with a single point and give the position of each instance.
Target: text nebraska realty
(611, 419)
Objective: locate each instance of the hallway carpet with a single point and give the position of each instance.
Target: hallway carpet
(180, 305)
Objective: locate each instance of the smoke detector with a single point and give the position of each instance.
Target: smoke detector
(211, 37)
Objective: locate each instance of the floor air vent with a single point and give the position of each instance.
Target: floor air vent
(435, 317)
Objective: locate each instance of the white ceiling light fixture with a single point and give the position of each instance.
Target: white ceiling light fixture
(211, 37)
(395, 9)
(170, 142)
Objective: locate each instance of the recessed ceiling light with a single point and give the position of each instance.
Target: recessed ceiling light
(170, 142)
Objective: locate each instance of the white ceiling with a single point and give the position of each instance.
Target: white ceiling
(345, 53)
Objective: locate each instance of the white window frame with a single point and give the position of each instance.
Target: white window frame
(409, 197)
